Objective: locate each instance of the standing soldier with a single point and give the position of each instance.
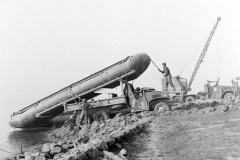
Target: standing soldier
(85, 106)
(236, 88)
(167, 75)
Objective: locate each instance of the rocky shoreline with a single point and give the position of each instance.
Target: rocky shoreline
(89, 142)
(94, 141)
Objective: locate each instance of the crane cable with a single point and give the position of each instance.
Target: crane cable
(195, 53)
(5, 151)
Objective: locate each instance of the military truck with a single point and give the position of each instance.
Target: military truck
(148, 99)
(213, 90)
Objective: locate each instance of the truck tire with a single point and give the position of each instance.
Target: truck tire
(228, 96)
(162, 107)
(101, 116)
(190, 99)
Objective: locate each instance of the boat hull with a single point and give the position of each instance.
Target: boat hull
(49, 107)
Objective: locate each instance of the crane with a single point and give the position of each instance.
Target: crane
(200, 60)
(181, 84)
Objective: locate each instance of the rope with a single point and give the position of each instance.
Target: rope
(188, 63)
(155, 64)
(5, 151)
(74, 95)
(196, 51)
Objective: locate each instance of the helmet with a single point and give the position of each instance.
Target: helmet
(164, 63)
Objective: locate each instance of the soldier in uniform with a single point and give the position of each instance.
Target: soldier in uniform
(167, 75)
(85, 106)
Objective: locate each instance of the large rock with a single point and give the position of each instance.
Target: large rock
(94, 126)
(234, 106)
(103, 146)
(93, 153)
(128, 119)
(65, 130)
(84, 131)
(56, 149)
(192, 110)
(206, 110)
(119, 146)
(122, 123)
(40, 157)
(102, 125)
(28, 156)
(123, 152)
(111, 156)
(67, 146)
(134, 118)
(222, 108)
(48, 155)
(47, 147)
(83, 139)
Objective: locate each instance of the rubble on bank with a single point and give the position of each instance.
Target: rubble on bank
(93, 141)
(90, 141)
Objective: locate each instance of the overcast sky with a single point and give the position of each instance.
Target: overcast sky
(46, 45)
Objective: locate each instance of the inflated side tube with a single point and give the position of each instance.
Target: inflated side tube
(47, 108)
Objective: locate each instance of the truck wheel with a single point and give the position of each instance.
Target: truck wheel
(228, 96)
(101, 116)
(162, 107)
(190, 99)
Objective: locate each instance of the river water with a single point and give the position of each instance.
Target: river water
(11, 139)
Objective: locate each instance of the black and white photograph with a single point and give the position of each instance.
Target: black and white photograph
(119, 80)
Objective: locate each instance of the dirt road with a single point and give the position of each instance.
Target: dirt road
(191, 137)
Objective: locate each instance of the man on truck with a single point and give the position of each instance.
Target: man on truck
(167, 75)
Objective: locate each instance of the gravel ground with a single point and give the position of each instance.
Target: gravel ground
(192, 136)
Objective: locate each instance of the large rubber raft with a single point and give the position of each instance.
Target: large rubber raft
(42, 112)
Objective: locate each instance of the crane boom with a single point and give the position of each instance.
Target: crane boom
(200, 60)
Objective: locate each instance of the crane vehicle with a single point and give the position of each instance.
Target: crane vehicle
(181, 84)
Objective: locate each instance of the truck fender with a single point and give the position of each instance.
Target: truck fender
(225, 92)
(155, 101)
(118, 106)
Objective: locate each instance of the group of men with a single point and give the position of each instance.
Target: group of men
(85, 105)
